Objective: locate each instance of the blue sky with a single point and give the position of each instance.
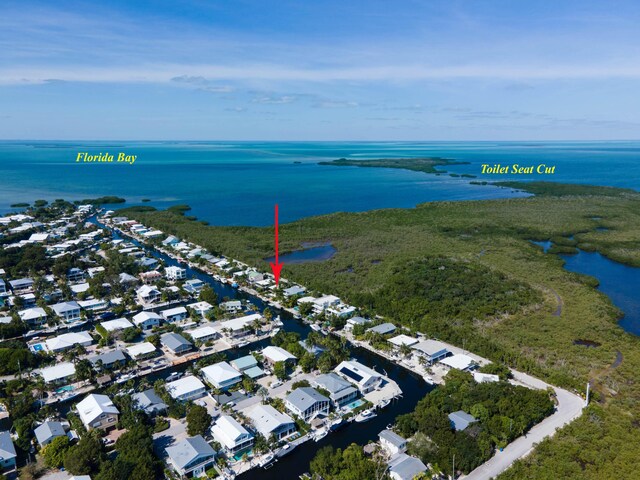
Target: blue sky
(320, 70)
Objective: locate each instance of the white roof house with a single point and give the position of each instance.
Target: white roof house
(238, 325)
(201, 307)
(269, 421)
(432, 350)
(95, 407)
(117, 324)
(139, 349)
(186, 388)
(191, 457)
(174, 314)
(363, 376)
(68, 311)
(403, 339)
(459, 362)
(485, 377)
(221, 375)
(68, 340)
(31, 315)
(230, 434)
(58, 372)
(203, 333)
(276, 354)
(147, 320)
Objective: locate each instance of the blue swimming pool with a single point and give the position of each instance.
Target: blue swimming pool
(66, 388)
(355, 404)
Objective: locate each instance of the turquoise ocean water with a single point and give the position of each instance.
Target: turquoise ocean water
(237, 183)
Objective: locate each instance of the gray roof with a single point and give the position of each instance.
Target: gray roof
(332, 382)
(48, 431)
(174, 341)
(305, 397)
(359, 320)
(21, 282)
(245, 362)
(295, 290)
(392, 437)
(149, 401)
(383, 328)
(185, 452)
(108, 358)
(7, 449)
(406, 467)
(461, 420)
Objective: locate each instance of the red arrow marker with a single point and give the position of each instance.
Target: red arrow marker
(277, 266)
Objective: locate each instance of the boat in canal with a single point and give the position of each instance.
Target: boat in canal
(285, 450)
(267, 460)
(320, 434)
(365, 416)
(384, 403)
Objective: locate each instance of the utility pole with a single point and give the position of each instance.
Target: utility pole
(586, 401)
(453, 467)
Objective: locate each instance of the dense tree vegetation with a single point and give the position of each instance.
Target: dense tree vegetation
(348, 464)
(504, 412)
(198, 420)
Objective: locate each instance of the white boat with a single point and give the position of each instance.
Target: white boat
(365, 416)
(266, 460)
(428, 379)
(315, 327)
(320, 434)
(337, 423)
(285, 450)
(384, 403)
(274, 332)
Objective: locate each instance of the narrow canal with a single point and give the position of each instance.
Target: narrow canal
(413, 386)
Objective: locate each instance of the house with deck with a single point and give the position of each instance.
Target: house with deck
(364, 377)
(175, 343)
(148, 295)
(307, 403)
(229, 433)
(186, 388)
(221, 375)
(176, 314)
(268, 421)
(147, 320)
(67, 311)
(341, 392)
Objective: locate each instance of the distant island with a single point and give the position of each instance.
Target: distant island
(426, 165)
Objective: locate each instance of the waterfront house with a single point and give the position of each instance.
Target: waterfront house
(148, 295)
(364, 377)
(59, 373)
(147, 320)
(459, 362)
(383, 328)
(233, 437)
(152, 234)
(3, 287)
(148, 263)
(431, 350)
(67, 311)
(340, 391)
(405, 467)
(68, 340)
(112, 359)
(402, 340)
(307, 403)
(47, 431)
(392, 443)
(221, 375)
(460, 420)
(149, 402)
(116, 325)
(170, 241)
(174, 273)
(238, 327)
(141, 350)
(98, 412)
(269, 421)
(174, 314)
(293, 291)
(34, 317)
(193, 286)
(7, 452)
(273, 355)
(231, 306)
(354, 321)
(191, 457)
(21, 285)
(203, 334)
(186, 388)
(175, 343)
(324, 302)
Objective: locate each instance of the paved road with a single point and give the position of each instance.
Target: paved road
(569, 408)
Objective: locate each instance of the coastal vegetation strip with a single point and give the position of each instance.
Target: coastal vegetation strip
(426, 165)
(493, 235)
